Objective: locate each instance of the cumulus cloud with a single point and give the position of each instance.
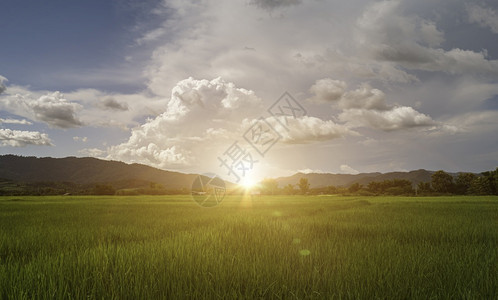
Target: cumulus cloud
(112, 104)
(483, 16)
(364, 97)
(18, 138)
(367, 106)
(328, 90)
(199, 114)
(334, 91)
(401, 117)
(15, 121)
(55, 110)
(51, 108)
(308, 129)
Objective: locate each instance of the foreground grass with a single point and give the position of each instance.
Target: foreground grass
(270, 247)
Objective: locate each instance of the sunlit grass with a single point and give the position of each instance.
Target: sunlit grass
(249, 247)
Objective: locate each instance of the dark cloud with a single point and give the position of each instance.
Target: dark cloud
(2, 85)
(113, 104)
(55, 111)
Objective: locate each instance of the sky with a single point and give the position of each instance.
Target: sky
(255, 88)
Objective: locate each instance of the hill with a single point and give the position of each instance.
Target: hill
(87, 170)
(317, 180)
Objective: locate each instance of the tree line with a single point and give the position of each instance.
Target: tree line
(441, 183)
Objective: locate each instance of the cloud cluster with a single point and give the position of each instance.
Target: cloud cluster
(394, 119)
(367, 106)
(484, 16)
(55, 110)
(308, 129)
(18, 138)
(51, 108)
(414, 43)
(199, 114)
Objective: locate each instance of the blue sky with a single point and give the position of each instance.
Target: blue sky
(45, 40)
(387, 85)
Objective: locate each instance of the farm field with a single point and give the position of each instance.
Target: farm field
(280, 247)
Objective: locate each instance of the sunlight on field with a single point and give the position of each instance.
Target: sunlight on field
(261, 247)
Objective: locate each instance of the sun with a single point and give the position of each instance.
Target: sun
(248, 183)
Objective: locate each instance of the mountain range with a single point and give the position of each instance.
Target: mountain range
(87, 170)
(318, 180)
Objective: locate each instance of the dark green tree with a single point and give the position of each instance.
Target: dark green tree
(424, 188)
(104, 189)
(492, 177)
(480, 186)
(463, 183)
(355, 187)
(442, 182)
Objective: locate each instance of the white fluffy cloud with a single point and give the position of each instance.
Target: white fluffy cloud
(367, 106)
(199, 114)
(328, 90)
(484, 16)
(308, 129)
(394, 119)
(51, 108)
(334, 91)
(18, 138)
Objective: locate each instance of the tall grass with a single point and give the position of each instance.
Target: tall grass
(268, 247)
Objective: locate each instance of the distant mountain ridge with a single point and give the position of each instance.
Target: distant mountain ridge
(318, 180)
(87, 170)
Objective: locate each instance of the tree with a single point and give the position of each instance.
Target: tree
(289, 189)
(480, 186)
(104, 189)
(492, 177)
(442, 182)
(424, 188)
(355, 187)
(463, 183)
(269, 186)
(304, 186)
(332, 190)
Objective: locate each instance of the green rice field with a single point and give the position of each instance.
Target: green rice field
(268, 247)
